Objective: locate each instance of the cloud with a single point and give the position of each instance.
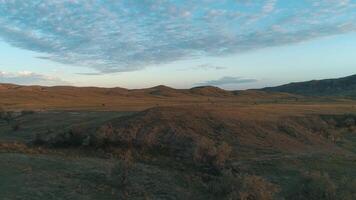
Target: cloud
(29, 78)
(269, 6)
(90, 73)
(205, 67)
(209, 67)
(228, 80)
(115, 36)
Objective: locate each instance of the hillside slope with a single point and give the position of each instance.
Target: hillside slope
(329, 87)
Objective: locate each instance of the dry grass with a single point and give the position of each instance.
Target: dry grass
(18, 147)
(90, 98)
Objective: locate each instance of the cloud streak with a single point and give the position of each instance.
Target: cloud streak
(228, 80)
(115, 36)
(29, 78)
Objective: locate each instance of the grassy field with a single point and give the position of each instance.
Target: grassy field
(41, 172)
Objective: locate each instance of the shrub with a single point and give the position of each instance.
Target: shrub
(6, 116)
(225, 186)
(223, 153)
(103, 135)
(315, 186)
(76, 136)
(207, 153)
(243, 187)
(257, 188)
(119, 173)
(27, 112)
(204, 151)
(347, 191)
(349, 122)
(15, 127)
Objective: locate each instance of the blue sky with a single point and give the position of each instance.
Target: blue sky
(234, 44)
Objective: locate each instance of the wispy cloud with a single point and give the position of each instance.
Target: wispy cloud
(205, 67)
(127, 35)
(29, 78)
(269, 6)
(90, 73)
(228, 80)
(209, 67)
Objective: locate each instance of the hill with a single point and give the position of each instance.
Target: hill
(345, 87)
(121, 99)
(180, 152)
(210, 91)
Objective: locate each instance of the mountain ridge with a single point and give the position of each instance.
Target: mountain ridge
(339, 87)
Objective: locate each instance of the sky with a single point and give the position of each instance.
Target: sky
(232, 44)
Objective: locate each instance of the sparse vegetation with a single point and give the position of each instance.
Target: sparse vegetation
(74, 137)
(315, 186)
(229, 151)
(7, 116)
(119, 173)
(346, 189)
(27, 112)
(242, 187)
(212, 155)
(16, 127)
(257, 188)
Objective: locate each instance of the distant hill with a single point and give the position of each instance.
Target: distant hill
(345, 87)
(95, 98)
(210, 91)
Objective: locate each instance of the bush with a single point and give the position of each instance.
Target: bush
(119, 173)
(257, 188)
(6, 116)
(103, 135)
(76, 136)
(204, 151)
(223, 153)
(15, 127)
(27, 112)
(347, 191)
(315, 186)
(207, 153)
(225, 186)
(244, 187)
